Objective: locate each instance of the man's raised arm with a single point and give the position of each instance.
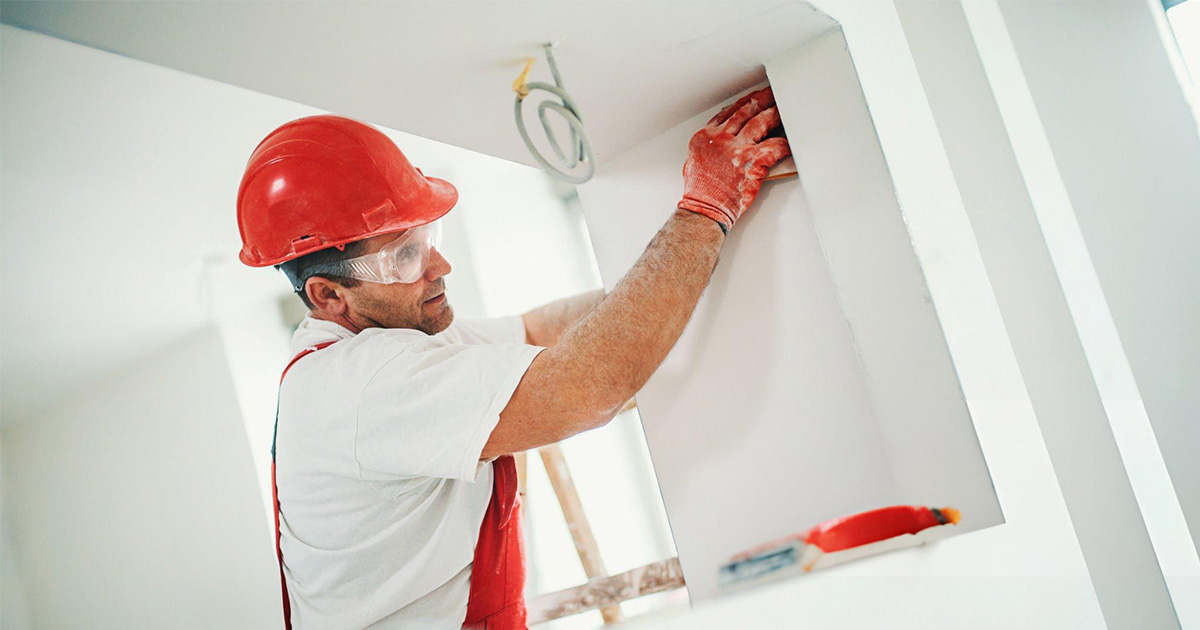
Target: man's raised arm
(598, 364)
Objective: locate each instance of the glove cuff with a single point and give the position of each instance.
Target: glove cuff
(720, 216)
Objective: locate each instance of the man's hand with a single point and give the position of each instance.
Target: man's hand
(728, 158)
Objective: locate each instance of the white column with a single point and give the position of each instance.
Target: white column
(1087, 462)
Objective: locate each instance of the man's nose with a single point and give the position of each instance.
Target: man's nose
(438, 265)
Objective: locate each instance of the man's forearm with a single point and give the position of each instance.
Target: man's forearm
(612, 351)
(599, 363)
(545, 324)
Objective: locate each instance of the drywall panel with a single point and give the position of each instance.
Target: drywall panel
(784, 405)
(915, 393)
(1096, 488)
(1129, 161)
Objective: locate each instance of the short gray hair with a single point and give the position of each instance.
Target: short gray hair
(298, 270)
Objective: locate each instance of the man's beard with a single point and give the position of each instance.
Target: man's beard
(387, 315)
(435, 325)
(438, 323)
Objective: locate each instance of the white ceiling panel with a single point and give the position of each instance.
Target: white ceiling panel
(443, 70)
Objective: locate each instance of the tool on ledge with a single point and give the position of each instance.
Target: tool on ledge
(840, 540)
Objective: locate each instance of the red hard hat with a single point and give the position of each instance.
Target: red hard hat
(324, 181)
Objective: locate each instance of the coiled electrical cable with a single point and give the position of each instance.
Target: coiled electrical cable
(580, 148)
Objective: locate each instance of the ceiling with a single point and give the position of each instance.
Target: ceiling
(118, 176)
(443, 70)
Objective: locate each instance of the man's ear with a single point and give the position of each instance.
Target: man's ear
(326, 295)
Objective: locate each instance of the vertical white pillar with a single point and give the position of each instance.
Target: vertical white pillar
(1097, 491)
(1126, 146)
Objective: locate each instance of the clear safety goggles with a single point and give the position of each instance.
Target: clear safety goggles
(403, 260)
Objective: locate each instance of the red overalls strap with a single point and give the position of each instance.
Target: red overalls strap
(287, 604)
(497, 599)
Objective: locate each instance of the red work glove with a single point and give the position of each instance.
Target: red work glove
(728, 158)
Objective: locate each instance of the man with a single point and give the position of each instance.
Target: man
(396, 489)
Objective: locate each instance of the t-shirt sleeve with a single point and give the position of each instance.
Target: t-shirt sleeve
(429, 410)
(493, 330)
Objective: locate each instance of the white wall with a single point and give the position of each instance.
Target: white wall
(1055, 370)
(14, 598)
(1129, 164)
(130, 504)
(1130, 28)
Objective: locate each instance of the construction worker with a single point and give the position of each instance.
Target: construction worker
(396, 496)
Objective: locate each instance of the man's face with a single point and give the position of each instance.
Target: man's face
(421, 305)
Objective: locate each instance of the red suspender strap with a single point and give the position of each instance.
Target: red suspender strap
(496, 600)
(287, 604)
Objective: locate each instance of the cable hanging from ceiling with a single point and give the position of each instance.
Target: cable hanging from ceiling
(579, 152)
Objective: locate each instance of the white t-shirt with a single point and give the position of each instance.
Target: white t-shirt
(381, 488)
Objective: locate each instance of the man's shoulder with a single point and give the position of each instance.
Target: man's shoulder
(351, 362)
(485, 330)
(359, 356)
(376, 345)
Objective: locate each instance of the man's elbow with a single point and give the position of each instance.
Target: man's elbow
(588, 416)
(602, 418)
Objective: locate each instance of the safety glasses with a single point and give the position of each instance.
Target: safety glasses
(403, 260)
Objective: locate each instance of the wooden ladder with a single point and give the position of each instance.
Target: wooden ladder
(602, 590)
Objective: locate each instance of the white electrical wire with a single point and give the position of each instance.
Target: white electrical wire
(580, 151)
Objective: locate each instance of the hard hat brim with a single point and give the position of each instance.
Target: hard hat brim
(443, 196)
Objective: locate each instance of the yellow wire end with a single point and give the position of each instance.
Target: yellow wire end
(518, 84)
